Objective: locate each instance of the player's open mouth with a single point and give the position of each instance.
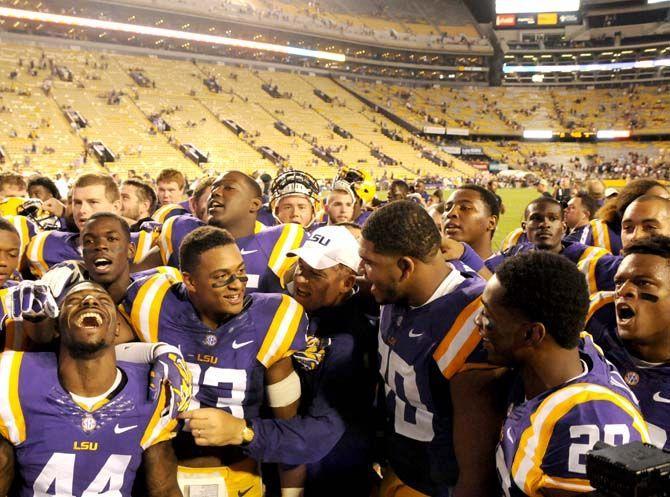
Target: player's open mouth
(89, 319)
(234, 299)
(624, 313)
(102, 263)
(452, 227)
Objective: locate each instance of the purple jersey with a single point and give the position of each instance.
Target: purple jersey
(264, 252)
(649, 382)
(63, 445)
(597, 234)
(167, 211)
(420, 350)
(228, 364)
(49, 248)
(545, 439)
(514, 237)
(597, 264)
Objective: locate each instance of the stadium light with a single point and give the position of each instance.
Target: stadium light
(642, 64)
(84, 22)
(611, 134)
(538, 134)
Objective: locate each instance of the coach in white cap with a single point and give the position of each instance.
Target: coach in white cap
(325, 275)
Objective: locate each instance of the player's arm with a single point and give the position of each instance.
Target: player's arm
(6, 466)
(160, 467)
(151, 260)
(477, 396)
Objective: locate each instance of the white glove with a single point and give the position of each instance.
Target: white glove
(32, 300)
(63, 275)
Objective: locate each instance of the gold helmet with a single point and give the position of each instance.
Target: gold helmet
(359, 181)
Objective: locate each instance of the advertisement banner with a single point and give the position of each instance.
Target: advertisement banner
(547, 19)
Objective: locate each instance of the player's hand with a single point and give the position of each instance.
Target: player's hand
(54, 206)
(214, 427)
(169, 370)
(452, 250)
(63, 275)
(31, 300)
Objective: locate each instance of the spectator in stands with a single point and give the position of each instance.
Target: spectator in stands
(340, 206)
(398, 190)
(43, 188)
(471, 216)
(138, 202)
(580, 210)
(170, 187)
(596, 189)
(12, 185)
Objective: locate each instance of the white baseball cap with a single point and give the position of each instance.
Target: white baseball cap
(610, 191)
(329, 246)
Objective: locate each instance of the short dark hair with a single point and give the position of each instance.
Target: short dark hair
(202, 186)
(589, 203)
(251, 183)
(6, 225)
(400, 185)
(197, 242)
(542, 200)
(349, 224)
(654, 245)
(489, 198)
(403, 228)
(110, 215)
(549, 289)
(144, 192)
(46, 183)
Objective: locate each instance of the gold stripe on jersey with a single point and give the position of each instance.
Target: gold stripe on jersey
(527, 465)
(258, 227)
(597, 301)
(281, 332)
(588, 263)
(162, 213)
(12, 424)
(511, 239)
(601, 235)
(290, 239)
(165, 240)
(171, 272)
(143, 246)
(145, 311)
(570, 484)
(21, 225)
(459, 342)
(161, 426)
(35, 254)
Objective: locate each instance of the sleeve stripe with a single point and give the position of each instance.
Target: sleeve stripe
(601, 235)
(281, 331)
(598, 301)
(171, 272)
(36, 254)
(527, 466)
(145, 314)
(165, 240)
(459, 342)
(290, 239)
(163, 212)
(12, 424)
(571, 484)
(143, 246)
(160, 428)
(258, 227)
(587, 265)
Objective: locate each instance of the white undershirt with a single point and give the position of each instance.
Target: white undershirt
(89, 402)
(448, 285)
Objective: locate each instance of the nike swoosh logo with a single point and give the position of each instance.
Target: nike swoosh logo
(242, 493)
(240, 345)
(509, 436)
(118, 430)
(414, 335)
(658, 398)
(247, 252)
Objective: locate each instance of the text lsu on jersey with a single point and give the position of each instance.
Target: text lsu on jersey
(420, 350)
(49, 248)
(62, 445)
(264, 252)
(649, 382)
(545, 439)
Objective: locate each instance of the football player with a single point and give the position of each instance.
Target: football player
(565, 396)
(293, 198)
(233, 205)
(77, 421)
(91, 193)
(631, 325)
(471, 216)
(237, 347)
(441, 414)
